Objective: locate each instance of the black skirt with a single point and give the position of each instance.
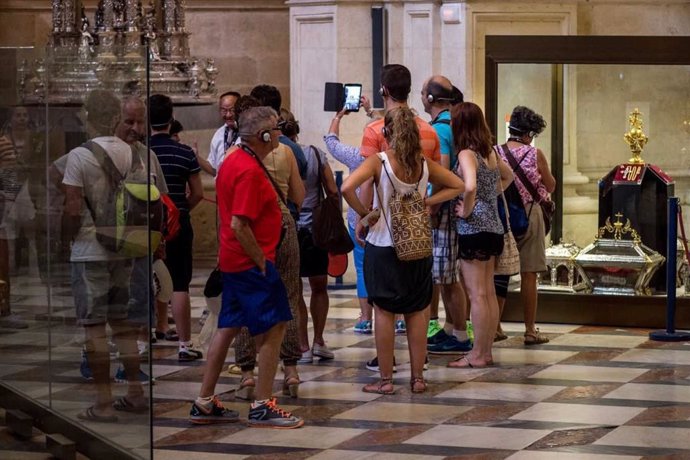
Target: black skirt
(480, 246)
(396, 286)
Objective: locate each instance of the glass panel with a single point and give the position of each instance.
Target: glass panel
(597, 103)
(77, 338)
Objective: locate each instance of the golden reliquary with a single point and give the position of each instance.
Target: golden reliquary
(619, 264)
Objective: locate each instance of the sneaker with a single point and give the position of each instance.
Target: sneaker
(363, 327)
(13, 321)
(269, 415)
(433, 328)
(200, 415)
(143, 348)
(470, 330)
(189, 354)
(204, 316)
(373, 365)
(307, 358)
(322, 351)
(437, 338)
(121, 376)
(449, 346)
(84, 368)
(400, 327)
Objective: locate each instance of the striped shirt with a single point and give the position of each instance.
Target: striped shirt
(373, 141)
(178, 163)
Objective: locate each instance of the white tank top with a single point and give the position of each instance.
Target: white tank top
(379, 234)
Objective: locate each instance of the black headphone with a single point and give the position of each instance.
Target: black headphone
(443, 94)
(384, 131)
(382, 91)
(532, 134)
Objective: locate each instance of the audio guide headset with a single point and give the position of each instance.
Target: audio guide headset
(442, 94)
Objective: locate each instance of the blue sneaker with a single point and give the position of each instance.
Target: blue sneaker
(400, 327)
(363, 327)
(84, 368)
(450, 346)
(437, 338)
(121, 376)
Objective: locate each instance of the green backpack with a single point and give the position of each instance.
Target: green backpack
(129, 209)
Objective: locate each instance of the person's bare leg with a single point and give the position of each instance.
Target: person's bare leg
(125, 336)
(528, 295)
(303, 320)
(474, 273)
(182, 313)
(492, 308)
(416, 341)
(455, 301)
(4, 277)
(366, 311)
(318, 305)
(501, 304)
(99, 361)
(435, 298)
(161, 316)
(215, 359)
(269, 350)
(384, 335)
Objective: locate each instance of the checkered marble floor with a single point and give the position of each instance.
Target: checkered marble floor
(591, 393)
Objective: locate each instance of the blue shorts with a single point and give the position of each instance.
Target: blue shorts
(253, 300)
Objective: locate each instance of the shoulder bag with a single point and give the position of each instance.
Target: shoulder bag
(328, 227)
(508, 262)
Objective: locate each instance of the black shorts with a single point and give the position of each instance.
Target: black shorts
(178, 255)
(480, 246)
(396, 286)
(313, 261)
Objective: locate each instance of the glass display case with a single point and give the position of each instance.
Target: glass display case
(586, 88)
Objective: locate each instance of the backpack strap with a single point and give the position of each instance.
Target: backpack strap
(104, 161)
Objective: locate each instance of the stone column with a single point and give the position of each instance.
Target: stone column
(132, 43)
(107, 37)
(57, 16)
(168, 28)
(69, 16)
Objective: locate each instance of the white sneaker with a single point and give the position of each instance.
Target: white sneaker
(307, 358)
(322, 351)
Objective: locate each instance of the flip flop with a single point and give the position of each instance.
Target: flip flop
(90, 416)
(457, 364)
(125, 405)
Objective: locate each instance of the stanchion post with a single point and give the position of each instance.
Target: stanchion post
(670, 334)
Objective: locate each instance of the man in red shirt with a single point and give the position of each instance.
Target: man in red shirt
(253, 293)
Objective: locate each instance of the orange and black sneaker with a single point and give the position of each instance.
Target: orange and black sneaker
(215, 413)
(269, 415)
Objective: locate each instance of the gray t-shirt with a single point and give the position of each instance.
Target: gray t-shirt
(312, 185)
(82, 170)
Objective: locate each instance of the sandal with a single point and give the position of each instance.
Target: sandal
(91, 416)
(291, 386)
(535, 338)
(417, 385)
(379, 387)
(463, 362)
(234, 369)
(125, 405)
(500, 336)
(246, 389)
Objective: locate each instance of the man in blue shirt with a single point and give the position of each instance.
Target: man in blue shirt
(438, 97)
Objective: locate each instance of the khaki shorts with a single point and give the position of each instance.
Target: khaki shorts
(532, 246)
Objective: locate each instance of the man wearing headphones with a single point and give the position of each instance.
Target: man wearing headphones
(253, 294)
(396, 84)
(438, 97)
(224, 137)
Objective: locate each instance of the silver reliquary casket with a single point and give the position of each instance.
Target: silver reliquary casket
(562, 273)
(615, 265)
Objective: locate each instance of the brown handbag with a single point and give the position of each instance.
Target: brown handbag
(328, 227)
(508, 262)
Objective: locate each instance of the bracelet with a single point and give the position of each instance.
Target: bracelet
(336, 118)
(369, 112)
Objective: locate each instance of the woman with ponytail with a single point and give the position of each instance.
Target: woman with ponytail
(395, 286)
